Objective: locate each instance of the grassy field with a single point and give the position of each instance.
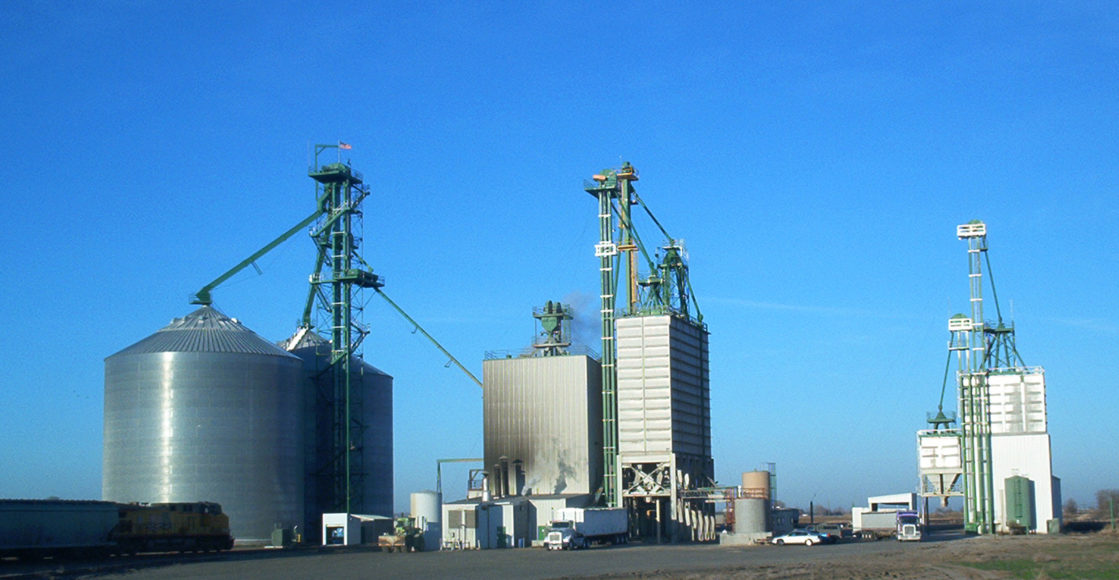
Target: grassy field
(1086, 556)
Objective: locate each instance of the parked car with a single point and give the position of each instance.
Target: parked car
(804, 537)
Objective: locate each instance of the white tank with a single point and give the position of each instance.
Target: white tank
(428, 505)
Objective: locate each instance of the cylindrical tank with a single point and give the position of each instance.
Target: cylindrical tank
(428, 505)
(751, 515)
(206, 410)
(373, 403)
(755, 484)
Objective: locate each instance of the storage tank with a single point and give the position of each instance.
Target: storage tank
(755, 484)
(1020, 502)
(751, 515)
(373, 404)
(206, 410)
(427, 509)
(428, 505)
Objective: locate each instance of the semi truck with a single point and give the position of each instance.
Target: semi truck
(871, 525)
(574, 528)
(902, 525)
(909, 527)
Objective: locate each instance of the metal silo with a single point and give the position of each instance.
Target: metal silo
(375, 401)
(204, 409)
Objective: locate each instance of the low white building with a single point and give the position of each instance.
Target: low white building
(343, 529)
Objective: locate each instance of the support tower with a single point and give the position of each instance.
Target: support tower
(339, 275)
(979, 507)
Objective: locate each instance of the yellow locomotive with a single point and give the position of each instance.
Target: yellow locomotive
(195, 526)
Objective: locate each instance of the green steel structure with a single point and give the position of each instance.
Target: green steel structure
(608, 187)
(339, 274)
(666, 290)
(974, 395)
(339, 270)
(555, 325)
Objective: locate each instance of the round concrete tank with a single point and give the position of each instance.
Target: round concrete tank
(755, 484)
(427, 505)
(751, 515)
(206, 410)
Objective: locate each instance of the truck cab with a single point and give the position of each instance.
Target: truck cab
(562, 536)
(909, 527)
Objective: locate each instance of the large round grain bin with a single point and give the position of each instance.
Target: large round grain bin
(372, 402)
(206, 410)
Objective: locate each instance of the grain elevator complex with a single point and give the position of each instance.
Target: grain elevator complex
(297, 435)
(998, 459)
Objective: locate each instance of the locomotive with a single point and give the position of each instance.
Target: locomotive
(199, 526)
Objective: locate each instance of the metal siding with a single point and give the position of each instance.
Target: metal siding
(939, 454)
(1028, 456)
(213, 426)
(1018, 402)
(547, 413)
(663, 391)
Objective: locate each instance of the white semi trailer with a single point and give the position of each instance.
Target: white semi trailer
(574, 528)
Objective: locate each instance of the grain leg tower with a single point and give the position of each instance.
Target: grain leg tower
(656, 403)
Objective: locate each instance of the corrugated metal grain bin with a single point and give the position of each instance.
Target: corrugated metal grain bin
(375, 395)
(206, 410)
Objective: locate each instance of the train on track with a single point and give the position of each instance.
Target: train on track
(32, 529)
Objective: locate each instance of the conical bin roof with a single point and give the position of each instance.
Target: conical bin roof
(205, 330)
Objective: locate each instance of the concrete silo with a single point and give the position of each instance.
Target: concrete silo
(204, 409)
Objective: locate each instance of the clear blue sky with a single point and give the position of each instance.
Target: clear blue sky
(816, 158)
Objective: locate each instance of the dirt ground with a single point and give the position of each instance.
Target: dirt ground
(979, 558)
(945, 555)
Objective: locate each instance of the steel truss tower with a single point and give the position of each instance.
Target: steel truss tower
(339, 273)
(974, 395)
(610, 187)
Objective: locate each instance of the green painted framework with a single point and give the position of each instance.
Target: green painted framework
(667, 290)
(339, 271)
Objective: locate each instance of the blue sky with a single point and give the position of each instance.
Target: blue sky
(816, 158)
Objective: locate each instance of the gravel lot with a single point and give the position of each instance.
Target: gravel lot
(944, 556)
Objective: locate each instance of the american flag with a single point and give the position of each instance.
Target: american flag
(342, 145)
